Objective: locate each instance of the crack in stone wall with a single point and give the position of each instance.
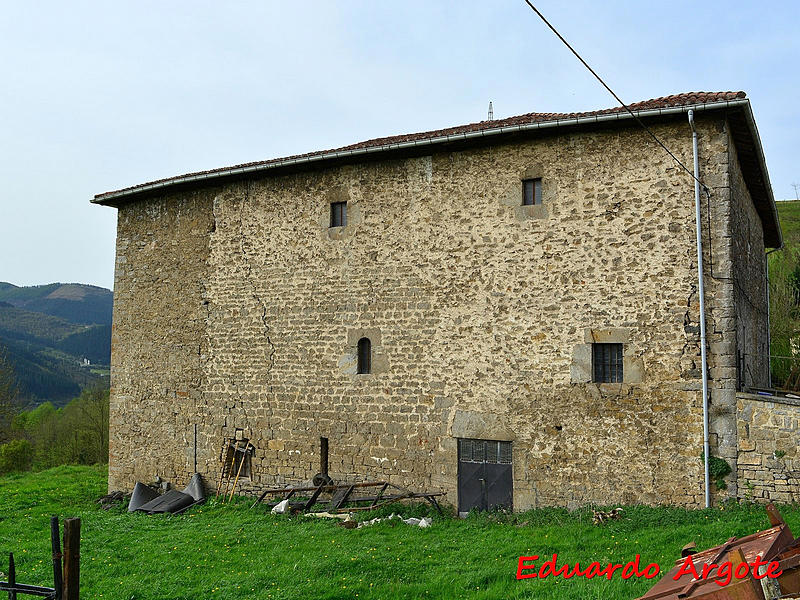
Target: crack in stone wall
(249, 275)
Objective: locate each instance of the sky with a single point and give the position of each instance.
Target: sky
(97, 96)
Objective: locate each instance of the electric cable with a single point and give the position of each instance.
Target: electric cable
(617, 98)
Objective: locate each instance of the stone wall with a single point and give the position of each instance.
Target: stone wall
(750, 284)
(238, 310)
(769, 464)
(158, 340)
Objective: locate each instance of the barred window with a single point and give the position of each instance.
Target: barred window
(607, 363)
(480, 451)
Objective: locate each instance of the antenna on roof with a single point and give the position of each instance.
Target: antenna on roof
(491, 112)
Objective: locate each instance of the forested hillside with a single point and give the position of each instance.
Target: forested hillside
(57, 337)
(73, 302)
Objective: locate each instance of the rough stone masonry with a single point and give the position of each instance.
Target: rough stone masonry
(239, 309)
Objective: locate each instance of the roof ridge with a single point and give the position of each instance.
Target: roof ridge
(674, 100)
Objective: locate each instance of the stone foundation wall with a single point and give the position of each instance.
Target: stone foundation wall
(238, 310)
(769, 463)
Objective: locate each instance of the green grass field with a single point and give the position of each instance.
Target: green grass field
(229, 551)
(789, 215)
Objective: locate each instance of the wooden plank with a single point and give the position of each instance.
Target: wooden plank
(313, 499)
(230, 471)
(239, 471)
(380, 494)
(328, 488)
(341, 497)
(28, 590)
(432, 499)
(224, 460)
(260, 498)
(394, 497)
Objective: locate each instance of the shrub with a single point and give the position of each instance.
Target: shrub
(718, 470)
(16, 455)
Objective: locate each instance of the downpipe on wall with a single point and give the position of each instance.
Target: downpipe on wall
(702, 295)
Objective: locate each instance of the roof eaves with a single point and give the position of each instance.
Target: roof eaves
(775, 241)
(113, 198)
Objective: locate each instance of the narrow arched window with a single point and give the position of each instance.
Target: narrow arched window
(364, 356)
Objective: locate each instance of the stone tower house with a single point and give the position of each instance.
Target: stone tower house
(506, 311)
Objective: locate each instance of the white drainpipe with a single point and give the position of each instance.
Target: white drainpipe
(701, 293)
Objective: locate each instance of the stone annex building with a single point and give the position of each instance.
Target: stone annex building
(506, 311)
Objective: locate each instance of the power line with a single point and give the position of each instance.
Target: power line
(617, 98)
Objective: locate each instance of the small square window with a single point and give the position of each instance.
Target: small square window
(531, 191)
(338, 214)
(607, 363)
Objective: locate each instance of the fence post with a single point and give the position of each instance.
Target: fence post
(55, 543)
(12, 577)
(72, 553)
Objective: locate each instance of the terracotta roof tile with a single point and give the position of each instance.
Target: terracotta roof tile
(675, 100)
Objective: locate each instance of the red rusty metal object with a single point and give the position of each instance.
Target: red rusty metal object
(774, 544)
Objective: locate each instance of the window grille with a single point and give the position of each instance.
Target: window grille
(484, 451)
(607, 363)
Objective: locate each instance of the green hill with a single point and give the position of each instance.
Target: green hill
(789, 215)
(58, 338)
(73, 302)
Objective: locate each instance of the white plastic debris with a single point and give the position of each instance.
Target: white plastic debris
(281, 507)
(327, 515)
(423, 522)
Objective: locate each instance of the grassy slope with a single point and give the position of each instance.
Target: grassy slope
(789, 215)
(231, 552)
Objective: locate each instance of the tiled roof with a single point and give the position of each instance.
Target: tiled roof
(665, 102)
(676, 100)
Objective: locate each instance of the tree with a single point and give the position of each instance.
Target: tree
(91, 412)
(10, 404)
(75, 434)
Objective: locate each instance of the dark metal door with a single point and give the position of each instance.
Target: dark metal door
(484, 475)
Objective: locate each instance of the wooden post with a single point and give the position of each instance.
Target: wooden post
(12, 577)
(323, 455)
(55, 543)
(72, 560)
(224, 461)
(195, 448)
(230, 470)
(239, 471)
